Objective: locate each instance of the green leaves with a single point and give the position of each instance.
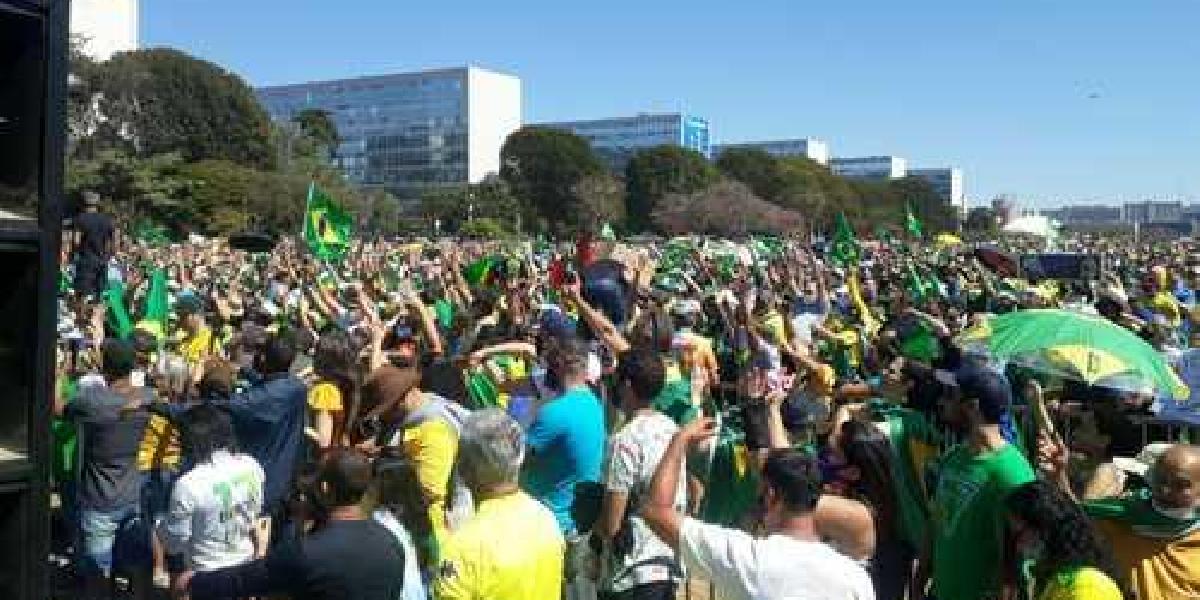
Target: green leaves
(545, 167)
(653, 173)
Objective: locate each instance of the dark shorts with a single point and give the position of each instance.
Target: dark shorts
(90, 275)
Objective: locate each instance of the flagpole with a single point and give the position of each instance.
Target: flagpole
(307, 205)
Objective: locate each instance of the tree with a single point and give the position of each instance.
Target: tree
(162, 100)
(727, 208)
(485, 228)
(933, 211)
(134, 188)
(453, 206)
(981, 220)
(596, 200)
(653, 173)
(317, 125)
(756, 168)
(542, 167)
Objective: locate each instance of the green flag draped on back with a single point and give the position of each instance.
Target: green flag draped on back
(154, 317)
(117, 314)
(911, 223)
(327, 226)
(732, 484)
(845, 249)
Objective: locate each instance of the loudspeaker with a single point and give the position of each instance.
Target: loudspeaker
(33, 82)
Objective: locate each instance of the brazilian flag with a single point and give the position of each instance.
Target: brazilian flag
(732, 488)
(845, 250)
(327, 226)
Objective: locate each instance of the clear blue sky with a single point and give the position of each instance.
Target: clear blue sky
(1046, 100)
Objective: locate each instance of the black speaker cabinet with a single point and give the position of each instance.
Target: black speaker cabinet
(33, 85)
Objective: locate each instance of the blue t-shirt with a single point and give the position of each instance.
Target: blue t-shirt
(566, 447)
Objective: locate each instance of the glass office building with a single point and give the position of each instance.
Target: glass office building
(813, 149)
(617, 139)
(947, 182)
(408, 131)
(870, 167)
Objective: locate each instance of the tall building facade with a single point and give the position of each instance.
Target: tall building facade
(947, 182)
(408, 131)
(618, 138)
(813, 149)
(870, 167)
(105, 27)
(1150, 211)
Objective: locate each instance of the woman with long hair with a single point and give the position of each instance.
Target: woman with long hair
(403, 508)
(334, 397)
(1072, 562)
(870, 469)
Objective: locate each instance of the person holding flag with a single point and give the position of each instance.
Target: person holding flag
(327, 226)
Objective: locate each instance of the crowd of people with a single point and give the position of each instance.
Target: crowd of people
(599, 419)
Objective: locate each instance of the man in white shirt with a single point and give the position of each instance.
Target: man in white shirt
(791, 563)
(211, 522)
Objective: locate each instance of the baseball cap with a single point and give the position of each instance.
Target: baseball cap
(977, 382)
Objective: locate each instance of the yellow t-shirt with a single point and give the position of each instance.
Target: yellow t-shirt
(1084, 584)
(511, 548)
(1158, 569)
(196, 348)
(432, 446)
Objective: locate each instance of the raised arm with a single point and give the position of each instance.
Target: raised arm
(601, 326)
(659, 511)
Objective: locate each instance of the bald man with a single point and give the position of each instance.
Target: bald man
(1155, 534)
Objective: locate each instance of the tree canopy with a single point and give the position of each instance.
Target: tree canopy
(653, 173)
(544, 168)
(727, 208)
(162, 100)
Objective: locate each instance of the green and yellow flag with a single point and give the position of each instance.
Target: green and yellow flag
(327, 226)
(845, 251)
(157, 309)
(911, 223)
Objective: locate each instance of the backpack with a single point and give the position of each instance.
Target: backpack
(459, 503)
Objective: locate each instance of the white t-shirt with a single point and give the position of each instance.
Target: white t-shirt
(778, 567)
(213, 511)
(633, 456)
(414, 586)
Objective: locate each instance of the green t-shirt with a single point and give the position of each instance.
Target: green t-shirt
(969, 520)
(675, 401)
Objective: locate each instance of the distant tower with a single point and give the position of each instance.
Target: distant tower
(106, 26)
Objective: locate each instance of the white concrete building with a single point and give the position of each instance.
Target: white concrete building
(406, 132)
(493, 112)
(870, 167)
(106, 27)
(811, 148)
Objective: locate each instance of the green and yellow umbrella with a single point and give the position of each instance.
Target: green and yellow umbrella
(1076, 346)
